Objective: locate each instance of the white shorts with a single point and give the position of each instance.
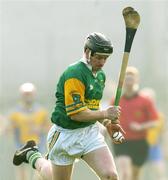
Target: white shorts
(65, 145)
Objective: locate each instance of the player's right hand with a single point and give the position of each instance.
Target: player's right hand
(112, 113)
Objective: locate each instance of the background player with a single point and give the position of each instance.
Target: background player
(29, 121)
(155, 135)
(138, 114)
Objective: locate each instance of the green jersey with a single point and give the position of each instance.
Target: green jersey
(78, 89)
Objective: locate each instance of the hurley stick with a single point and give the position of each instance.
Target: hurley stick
(132, 20)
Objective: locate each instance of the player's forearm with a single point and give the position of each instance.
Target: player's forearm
(112, 113)
(88, 115)
(150, 124)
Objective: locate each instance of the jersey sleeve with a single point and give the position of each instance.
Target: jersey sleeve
(14, 119)
(154, 133)
(74, 91)
(151, 110)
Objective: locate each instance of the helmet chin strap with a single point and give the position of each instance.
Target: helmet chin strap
(88, 60)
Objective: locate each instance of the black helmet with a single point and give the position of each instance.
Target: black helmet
(99, 44)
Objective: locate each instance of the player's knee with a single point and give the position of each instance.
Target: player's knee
(110, 175)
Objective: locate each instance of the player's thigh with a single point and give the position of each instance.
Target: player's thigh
(102, 162)
(62, 172)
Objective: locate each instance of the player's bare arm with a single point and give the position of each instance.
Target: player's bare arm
(111, 113)
(144, 126)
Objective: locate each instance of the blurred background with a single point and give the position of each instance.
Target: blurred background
(40, 38)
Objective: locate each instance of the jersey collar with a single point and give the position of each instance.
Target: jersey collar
(85, 61)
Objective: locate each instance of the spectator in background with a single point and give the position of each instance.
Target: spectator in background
(29, 120)
(154, 137)
(138, 114)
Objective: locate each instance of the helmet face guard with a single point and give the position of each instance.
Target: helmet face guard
(98, 44)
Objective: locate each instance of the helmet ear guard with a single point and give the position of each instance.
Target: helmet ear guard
(98, 44)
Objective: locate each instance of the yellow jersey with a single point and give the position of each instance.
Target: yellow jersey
(29, 123)
(154, 133)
